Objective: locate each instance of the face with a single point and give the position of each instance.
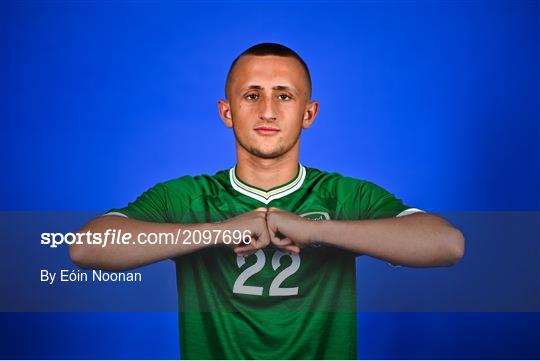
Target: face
(268, 105)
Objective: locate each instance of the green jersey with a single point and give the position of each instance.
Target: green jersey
(270, 305)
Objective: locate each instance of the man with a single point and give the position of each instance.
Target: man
(289, 290)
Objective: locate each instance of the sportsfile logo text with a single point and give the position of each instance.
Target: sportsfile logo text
(119, 237)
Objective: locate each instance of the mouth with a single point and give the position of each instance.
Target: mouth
(266, 130)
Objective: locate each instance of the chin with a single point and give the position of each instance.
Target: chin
(268, 153)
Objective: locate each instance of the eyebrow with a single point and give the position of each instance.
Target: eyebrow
(277, 87)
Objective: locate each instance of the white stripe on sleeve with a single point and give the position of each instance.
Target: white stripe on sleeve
(410, 211)
(114, 214)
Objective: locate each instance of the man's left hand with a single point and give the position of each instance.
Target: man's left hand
(288, 231)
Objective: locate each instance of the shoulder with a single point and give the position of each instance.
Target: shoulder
(359, 198)
(336, 185)
(191, 187)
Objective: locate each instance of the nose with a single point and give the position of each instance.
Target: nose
(267, 109)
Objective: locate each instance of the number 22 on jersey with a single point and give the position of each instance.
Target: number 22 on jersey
(275, 289)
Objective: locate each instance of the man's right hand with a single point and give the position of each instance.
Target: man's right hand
(254, 223)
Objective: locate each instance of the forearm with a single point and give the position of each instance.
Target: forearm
(133, 254)
(418, 240)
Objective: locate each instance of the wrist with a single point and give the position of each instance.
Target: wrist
(321, 232)
(211, 234)
(227, 233)
(316, 230)
(219, 227)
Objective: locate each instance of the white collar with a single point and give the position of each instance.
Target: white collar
(274, 193)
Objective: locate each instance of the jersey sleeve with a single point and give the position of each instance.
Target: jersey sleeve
(151, 206)
(366, 200)
(382, 204)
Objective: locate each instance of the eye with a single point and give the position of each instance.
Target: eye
(252, 96)
(284, 97)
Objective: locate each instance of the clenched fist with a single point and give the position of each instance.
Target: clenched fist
(285, 230)
(252, 223)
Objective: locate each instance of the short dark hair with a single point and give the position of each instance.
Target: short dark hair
(263, 49)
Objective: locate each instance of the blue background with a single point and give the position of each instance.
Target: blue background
(436, 101)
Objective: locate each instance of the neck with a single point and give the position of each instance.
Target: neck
(267, 173)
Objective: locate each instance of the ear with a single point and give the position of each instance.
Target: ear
(310, 113)
(224, 109)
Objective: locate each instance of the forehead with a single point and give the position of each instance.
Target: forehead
(269, 68)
